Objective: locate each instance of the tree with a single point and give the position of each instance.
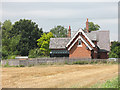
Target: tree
(9, 43)
(6, 28)
(93, 27)
(33, 53)
(0, 40)
(59, 31)
(43, 43)
(10, 46)
(29, 32)
(115, 50)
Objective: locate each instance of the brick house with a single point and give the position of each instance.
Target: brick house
(81, 44)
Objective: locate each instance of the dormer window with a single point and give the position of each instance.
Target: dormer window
(79, 43)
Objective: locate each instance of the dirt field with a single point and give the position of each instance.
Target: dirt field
(61, 76)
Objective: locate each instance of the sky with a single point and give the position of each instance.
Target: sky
(50, 14)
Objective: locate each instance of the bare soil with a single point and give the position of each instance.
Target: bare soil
(57, 76)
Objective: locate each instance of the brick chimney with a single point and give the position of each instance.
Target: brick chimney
(69, 32)
(87, 26)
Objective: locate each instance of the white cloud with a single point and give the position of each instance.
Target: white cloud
(47, 16)
(110, 24)
(113, 36)
(58, 13)
(60, 0)
(107, 21)
(52, 13)
(62, 12)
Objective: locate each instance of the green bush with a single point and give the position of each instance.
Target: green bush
(104, 61)
(86, 62)
(91, 62)
(35, 53)
(80, 62)
(11, 56)
(4, 54)
(30, 65)
(7, 64)
(22, 66)
(66, 62)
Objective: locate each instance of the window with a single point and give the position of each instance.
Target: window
(79, 43)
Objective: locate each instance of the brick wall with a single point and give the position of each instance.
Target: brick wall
(95, 53)
(79, 52)
(103, 55)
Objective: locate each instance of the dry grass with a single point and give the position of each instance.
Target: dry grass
(56, 76)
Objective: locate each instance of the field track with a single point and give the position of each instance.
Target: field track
(57, 76)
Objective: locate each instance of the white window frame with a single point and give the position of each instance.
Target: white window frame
(78, 43)
(80, 30)
(82, 41)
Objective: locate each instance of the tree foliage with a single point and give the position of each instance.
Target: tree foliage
(29, 32)
(6, 29)
(33, 53)
(0, 40)
(115, 50)
(43, 43)
(19, 38)
(59, 31)
(93, 27)
(7, 44)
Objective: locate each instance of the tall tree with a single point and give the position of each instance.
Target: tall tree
(59, 31)
(93, 27)
(115, 50)
(43, 43)
(29, 32)
(0, 40)
(6, 28)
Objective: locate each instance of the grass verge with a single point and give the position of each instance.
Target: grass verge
(113, 83)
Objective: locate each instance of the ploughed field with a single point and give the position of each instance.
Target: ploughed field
(57, 76)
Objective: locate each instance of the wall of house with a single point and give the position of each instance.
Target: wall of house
(95, 53)
(103, 55)
(79, 52)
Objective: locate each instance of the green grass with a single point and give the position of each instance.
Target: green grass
(113, 83)
(6, 65)
(108, 84)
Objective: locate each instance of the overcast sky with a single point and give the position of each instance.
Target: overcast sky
(50, 14)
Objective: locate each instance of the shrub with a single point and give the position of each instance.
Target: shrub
(35, 53)
(7, 64)
(11, 56)
(104, 61)
(86, 62)
(80, 62)
(22, 66)
(66, 62)
(30, 65)
(91, 62)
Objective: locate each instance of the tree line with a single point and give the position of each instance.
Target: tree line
(25, 38)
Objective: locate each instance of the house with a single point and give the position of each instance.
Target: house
(81, 44)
